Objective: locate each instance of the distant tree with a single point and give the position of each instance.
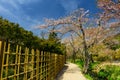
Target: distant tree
(42, 34)
(113, 42)
(52, 36)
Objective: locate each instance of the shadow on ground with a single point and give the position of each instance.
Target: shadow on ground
(59, 76)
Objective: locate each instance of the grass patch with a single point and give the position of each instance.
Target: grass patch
(93, 65)
(88, 77)
(110, 72)
(80, 63)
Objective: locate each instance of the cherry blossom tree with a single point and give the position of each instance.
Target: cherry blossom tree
(111, 8)
(74, 24)
(78, 23)
(111, 11)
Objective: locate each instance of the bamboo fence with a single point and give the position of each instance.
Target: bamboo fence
(26, 64)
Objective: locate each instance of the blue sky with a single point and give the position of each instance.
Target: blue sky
(30, 13)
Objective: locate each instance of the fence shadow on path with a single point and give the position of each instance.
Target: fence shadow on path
(59, 76)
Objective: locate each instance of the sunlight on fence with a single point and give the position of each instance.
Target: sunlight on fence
(26, 64)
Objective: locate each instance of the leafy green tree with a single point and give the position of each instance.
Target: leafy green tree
(16, 35)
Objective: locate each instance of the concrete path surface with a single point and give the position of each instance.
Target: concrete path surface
(70, 72)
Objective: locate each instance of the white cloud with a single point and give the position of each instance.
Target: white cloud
(27, 1)
(12, 10)
(10, 3)
(69, 5)
(6, 12)
(16, 3)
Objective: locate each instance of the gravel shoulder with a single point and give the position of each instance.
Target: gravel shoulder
(70, 72)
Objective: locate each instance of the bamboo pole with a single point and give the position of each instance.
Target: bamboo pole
(32, 62)
(37, 64)
(41, 76)
(7, 60)
(25, 64)
(1, 57)
(18, 71)
(16, 60)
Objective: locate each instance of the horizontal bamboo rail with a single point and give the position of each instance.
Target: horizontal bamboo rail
(26, 64)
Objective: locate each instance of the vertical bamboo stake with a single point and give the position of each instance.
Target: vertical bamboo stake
(49, 67)
(1, 57)
(7, 60)
(16, 60)
(37, 64)
(41, 65)
(52, 65)
(44, 65)
(4, 45)
(18, 71)
(32, 62)
(25, 64)
(59, 63)
(55, 65)
(27, 55)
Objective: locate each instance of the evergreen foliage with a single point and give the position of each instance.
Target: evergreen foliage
(13, 33)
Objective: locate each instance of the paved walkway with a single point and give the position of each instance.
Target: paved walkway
(70, 72)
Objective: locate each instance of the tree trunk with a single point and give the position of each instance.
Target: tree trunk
(74, 57)
(86, 54)
(86, 63)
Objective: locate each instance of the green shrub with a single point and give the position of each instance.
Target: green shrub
(88, 77)
(93, 65)
(103, 74)
(115, 72)
(110, 73)
(117, 54)
(80, 63)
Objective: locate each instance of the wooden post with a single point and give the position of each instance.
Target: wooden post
(25, 63)
(1, 57)
(37, 64)
(16, 61)
(41, 76)
(7, 59)
(18, 71)
(49, 67)
(32, 62)
(55, 64)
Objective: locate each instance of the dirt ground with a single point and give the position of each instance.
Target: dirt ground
(70, 72)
